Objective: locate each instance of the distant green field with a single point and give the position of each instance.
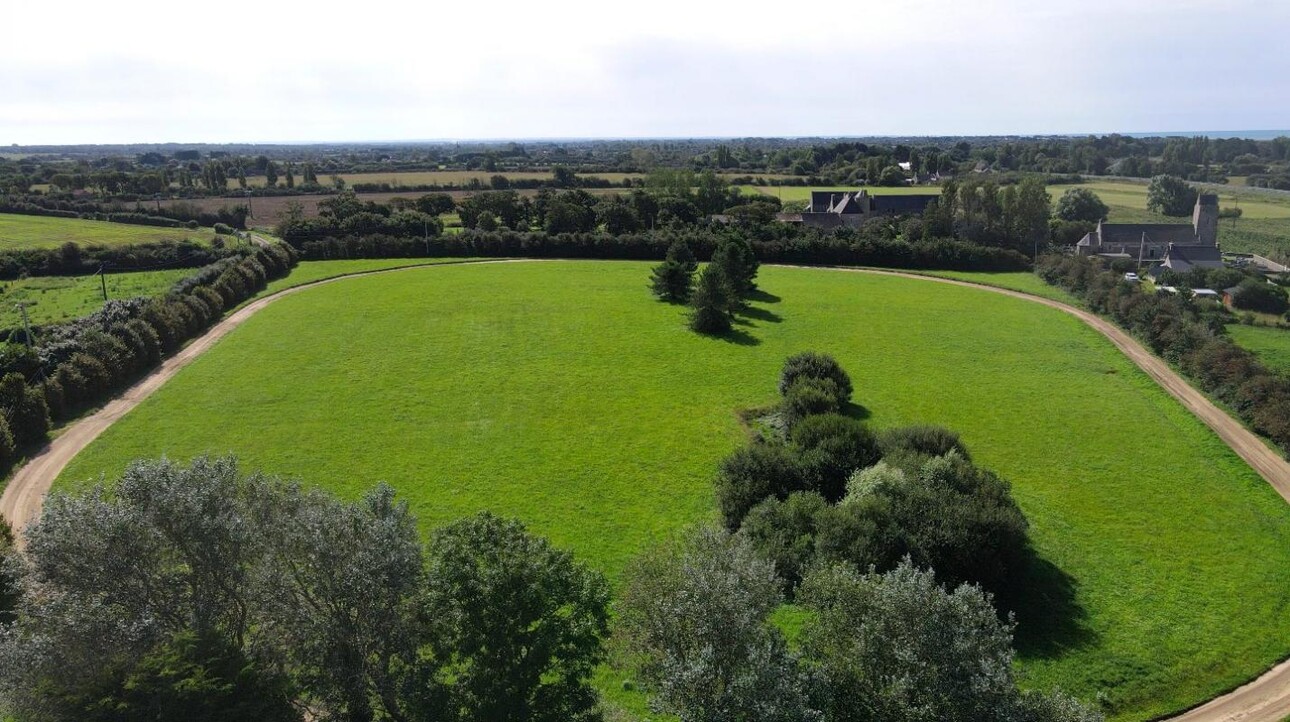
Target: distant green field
(1270, 344)
(562, 393)
(53, 299)
(19, 231)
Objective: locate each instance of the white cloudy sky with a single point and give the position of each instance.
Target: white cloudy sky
(265, 70)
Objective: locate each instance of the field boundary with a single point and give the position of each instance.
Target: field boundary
(1264, 699)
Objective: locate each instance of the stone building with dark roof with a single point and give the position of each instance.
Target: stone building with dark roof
(1183, 258)
(850, 209)
(1149, 242)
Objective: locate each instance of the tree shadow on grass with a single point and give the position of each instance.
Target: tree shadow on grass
(763, 297)
(1050, 622)
(855, 411)
(761, 314)
(736, 336)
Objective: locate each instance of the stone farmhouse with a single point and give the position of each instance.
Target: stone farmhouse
(1173, 246)
(850, 209)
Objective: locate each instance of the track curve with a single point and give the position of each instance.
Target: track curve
(1266, 699)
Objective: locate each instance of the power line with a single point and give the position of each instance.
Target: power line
(26, 322)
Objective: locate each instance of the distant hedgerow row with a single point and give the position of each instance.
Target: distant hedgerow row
(1188, 335)
(811, 249)
(174, 215)
(79, 364)
(72, 259)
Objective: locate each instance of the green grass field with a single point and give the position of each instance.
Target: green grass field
(563, 394)
(1272, 345)
(19, 231)
(54, 299)
(1023, 281)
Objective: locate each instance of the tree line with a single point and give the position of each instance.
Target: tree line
(75, 366)
(74, 259)
(199, 592)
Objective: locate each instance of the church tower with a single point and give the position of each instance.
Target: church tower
(1204, 219)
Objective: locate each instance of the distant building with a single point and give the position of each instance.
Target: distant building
(1149, 242)
(1181, 259)
(850, 209)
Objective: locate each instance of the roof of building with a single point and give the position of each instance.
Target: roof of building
(903, 203)
(1155, 233)
(1182, 258)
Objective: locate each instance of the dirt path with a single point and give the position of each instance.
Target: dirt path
(21, 502)
(1266, 699)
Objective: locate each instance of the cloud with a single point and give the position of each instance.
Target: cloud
(143, 70)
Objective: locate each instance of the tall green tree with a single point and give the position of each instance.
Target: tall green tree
(338, 584)
(1171, 196)
(712, 302)
(738, 263)
(517, 624)
(673, 280)
(271, 174)
(694, 621)
(897, 647)
(1081, 204)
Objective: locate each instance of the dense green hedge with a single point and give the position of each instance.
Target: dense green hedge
(80, 364)
(811, 249)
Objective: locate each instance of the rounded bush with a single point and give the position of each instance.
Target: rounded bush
(810, 397)
(831, 448)
(810, 364)
(922, 439)
(752, 474)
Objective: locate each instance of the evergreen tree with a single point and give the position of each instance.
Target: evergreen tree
(739, 265)
(291, 176)
(674, 278)
(712, 302)
(271, 175)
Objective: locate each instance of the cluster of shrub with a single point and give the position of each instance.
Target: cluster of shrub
(695, 623)
(77, 365)
(73, 259)
(172, 215)
(199, 593)
(821, 488)
(1189, 334)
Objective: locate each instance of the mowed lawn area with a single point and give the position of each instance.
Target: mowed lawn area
(19, 231)
(1271, 345)
(54, 299)
(563, 394)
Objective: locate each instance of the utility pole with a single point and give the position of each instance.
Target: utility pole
(103, 282)
(26, 322)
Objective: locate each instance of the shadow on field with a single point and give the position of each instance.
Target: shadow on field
(738, 336)
(761, 314)
(1049, 620)
(763, 297)
(855, 411)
